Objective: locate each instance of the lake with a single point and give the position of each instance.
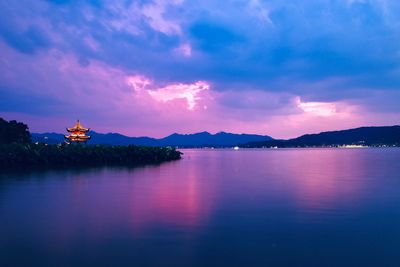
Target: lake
(283, 207)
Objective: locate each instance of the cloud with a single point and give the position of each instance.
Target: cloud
(138, 82)
(156, 15)
(184, 49)
(191, 93)
(318, 108)
(260, 11)
(278, 66)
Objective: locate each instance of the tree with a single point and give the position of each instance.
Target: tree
(14, 132)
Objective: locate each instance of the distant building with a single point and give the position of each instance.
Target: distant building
(77, 134)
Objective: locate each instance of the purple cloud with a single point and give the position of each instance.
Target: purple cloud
(271, 67)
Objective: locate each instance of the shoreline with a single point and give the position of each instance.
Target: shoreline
(43, 156)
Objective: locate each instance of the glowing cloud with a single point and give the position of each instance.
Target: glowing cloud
(190, 92)
(323, 109)
(138, 82)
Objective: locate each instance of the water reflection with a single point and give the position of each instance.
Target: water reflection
(253, 207)
(181, 199)
(325, 179)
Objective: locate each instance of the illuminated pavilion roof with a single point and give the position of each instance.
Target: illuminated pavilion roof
(78, 133)
(78, 128)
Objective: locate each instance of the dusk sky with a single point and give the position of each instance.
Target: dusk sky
(276, 67)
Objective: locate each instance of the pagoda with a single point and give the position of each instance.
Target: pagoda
(77, 133)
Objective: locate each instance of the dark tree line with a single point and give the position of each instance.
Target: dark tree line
(43, 155)
(14, 132)
(16, 151)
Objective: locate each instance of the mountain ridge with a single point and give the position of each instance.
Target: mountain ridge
(201, 139)
(363, 136)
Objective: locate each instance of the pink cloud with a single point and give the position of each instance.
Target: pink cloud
(54, 90)
(189, 92)
(323, 109)
(127, 18)
(155, 14)
(138, 82)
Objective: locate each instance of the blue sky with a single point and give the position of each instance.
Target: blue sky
(155, 67)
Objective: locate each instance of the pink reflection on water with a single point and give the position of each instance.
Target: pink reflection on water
(326, 179)
(176, 197)
(101, 203)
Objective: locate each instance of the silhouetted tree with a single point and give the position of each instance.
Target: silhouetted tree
(16, 151)
(43, 155)
(14, 132)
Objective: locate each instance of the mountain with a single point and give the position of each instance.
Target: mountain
(119, 139)
(207, 139)
(97, 138)
(202, 139)
(368, 136)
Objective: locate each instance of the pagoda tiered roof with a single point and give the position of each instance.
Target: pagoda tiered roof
(78, 128)
(78, 133)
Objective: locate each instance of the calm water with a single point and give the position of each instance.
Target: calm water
(332, 207)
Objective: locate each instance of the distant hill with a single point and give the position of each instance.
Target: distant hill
(207, 139)
(202, 139)
(368, 136)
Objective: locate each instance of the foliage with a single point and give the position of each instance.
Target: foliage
(14, 132)
(16, 151)
(42, 155)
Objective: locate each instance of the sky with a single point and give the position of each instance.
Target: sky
(275, 67)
